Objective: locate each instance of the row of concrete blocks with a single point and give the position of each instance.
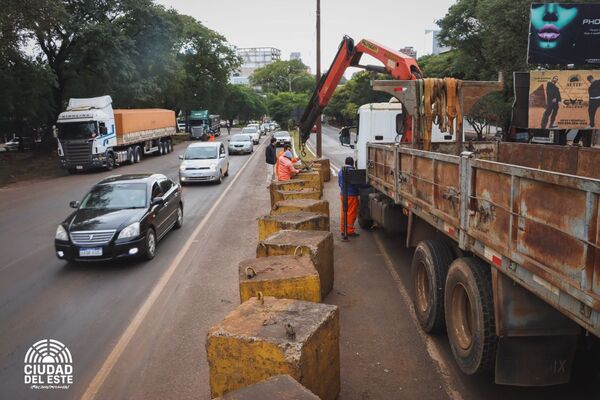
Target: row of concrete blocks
(281, 330)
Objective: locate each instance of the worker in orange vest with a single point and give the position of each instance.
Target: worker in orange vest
(286, 147)
(353, 200)
(286, 167)
(211, 138)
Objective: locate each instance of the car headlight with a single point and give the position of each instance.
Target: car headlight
(212, 166)
(130, 231)
(61, 233)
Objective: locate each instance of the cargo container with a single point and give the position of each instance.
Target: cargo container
(506, 239)
(93, 135)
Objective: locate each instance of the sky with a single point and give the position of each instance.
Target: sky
(290, 25)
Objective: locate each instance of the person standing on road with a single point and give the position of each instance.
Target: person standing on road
(286, 167)
(271, 160)
(353, 200)
(552, 101)
(228, 128)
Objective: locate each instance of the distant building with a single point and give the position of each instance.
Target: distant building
(252, 59)
(295, 55)
(432, 43)
(409, 51)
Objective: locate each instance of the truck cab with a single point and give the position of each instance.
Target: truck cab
(380, 123)
(86, 130)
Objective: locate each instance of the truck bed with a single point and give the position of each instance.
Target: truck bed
(532, 211)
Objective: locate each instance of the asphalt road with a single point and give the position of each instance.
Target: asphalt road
(87, 306)
(584, 383)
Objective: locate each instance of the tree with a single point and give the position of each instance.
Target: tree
(283, 76)
(490, 109)
(243, 103)
(286, 106)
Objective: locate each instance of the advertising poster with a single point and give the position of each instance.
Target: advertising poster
(563, 34)
(564, 99)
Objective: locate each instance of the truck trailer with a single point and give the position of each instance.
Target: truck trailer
(93, 135)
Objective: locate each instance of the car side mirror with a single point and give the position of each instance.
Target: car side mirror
(74, 204)
(157, 201)
(181, 156)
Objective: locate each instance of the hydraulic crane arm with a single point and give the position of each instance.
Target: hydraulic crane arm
(399, 65)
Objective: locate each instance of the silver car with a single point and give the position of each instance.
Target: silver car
(204, 162)
(240, 144)
(252, 131)
(282, 137)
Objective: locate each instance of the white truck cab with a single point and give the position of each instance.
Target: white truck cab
(85, 131)
(380, 122)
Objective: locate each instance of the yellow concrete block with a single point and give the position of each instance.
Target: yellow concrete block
(318, 206)
(312, 176)
(316, 244)
(291, 185)
(283, 277)
(325, 168)
(268, 337)
(298, 220)
(280, 387)
(278, 195)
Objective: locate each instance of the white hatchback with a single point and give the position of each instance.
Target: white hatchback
(204, 162)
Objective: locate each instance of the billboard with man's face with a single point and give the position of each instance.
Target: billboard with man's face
(564, 99)
(563, 34)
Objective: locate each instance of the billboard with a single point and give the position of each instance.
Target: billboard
(564, 99)
(563, 34)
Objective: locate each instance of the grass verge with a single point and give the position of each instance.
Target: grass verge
(22, 166)
(307, 156)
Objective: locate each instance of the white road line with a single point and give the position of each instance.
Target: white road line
(430, 345)
(139, 317)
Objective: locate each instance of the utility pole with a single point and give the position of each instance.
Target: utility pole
(319, 151)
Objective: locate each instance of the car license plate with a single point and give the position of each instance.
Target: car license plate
(90, 252)
(79, 167)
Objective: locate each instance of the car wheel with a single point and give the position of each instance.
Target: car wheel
(110, 162)
(220, 180)
(227, 172)
(150, 245)
(179, 220)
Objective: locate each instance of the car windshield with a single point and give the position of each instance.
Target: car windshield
(76, 130)
(115, 196)
(201, 153)
(281, 134)
(249, 130)
(240, 138)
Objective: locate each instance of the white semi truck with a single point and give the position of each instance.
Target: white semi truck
(93, 135)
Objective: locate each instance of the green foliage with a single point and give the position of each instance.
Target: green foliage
(140, 53)
(490, 109)
(354, 93)
(284, 76)
(285, 106)
(243, 103)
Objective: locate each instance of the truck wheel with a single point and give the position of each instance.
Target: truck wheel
(365, 223)
(430, 265)
(130, 155)
(469, 309)
(110, 162)
(169, 146)
(138, 154)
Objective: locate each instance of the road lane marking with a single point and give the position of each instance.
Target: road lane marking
(432, 348)
(141, 314)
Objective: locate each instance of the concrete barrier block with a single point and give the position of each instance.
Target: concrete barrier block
(307, 193)
(325, 168)
(311, 205)
(291, 186)
(268, 337)
(312, 176)
(283, 277)
(299, 220)
(280, 387)
(316, 244)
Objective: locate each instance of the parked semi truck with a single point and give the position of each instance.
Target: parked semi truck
(506, 235)
(93, 135)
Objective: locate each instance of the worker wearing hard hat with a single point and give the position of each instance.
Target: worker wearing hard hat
(286, 147)
(286, 167)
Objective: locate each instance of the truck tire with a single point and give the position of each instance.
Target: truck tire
(430, 264)
(138, 154)
(130, 155)
(469, 309)
(365, 223)
(169, 146)
(110, 162)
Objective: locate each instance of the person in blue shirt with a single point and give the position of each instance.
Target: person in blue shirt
(353, 200)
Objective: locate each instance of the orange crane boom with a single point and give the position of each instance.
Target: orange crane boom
(397, 64)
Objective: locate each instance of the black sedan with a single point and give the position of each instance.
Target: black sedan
(122, 216)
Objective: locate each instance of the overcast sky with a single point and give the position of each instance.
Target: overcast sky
(290, 26)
